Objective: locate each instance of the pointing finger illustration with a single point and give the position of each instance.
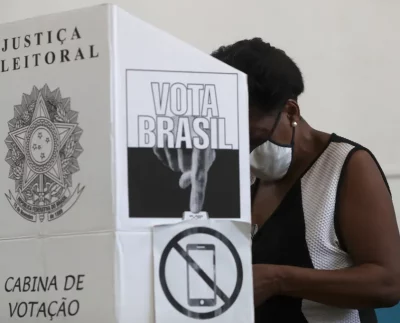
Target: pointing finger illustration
(198, 180)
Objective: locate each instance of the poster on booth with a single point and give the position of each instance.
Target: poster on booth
(202, 271)
(184, 128)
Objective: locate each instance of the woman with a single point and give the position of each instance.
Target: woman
(326, 246)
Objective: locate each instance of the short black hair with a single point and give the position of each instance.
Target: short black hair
(273, 77)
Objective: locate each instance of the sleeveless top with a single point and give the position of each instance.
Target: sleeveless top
(303, 232)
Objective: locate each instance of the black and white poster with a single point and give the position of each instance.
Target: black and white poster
(202, 271)
(183, 144)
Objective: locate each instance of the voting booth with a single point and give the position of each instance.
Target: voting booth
(125, 175)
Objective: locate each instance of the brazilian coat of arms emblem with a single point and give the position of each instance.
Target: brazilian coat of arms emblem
(43, 150)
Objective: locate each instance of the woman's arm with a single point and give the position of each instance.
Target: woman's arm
(369, 230)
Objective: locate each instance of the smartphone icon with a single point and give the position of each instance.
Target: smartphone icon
(198, 292)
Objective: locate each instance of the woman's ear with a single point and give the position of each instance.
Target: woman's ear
(292, 110)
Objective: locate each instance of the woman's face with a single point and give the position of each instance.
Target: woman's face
(275, 127)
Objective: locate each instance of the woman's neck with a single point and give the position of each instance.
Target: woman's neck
(308, 145)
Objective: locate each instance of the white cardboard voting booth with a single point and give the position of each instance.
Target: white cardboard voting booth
(89, 101)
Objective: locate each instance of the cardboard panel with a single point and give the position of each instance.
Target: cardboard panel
(163, 85)
(82, 188)
(134, 277)
(55, 76)
(69, 278)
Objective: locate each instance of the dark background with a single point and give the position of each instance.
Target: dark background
(154, 190)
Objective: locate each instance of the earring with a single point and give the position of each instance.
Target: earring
(294, 124)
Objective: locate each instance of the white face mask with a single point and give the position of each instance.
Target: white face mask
(270, 161)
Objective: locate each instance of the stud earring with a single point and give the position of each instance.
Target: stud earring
(294, 124)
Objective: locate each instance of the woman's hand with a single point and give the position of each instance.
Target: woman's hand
(265, 283)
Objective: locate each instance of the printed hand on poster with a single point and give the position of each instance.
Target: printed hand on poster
(193, 163)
